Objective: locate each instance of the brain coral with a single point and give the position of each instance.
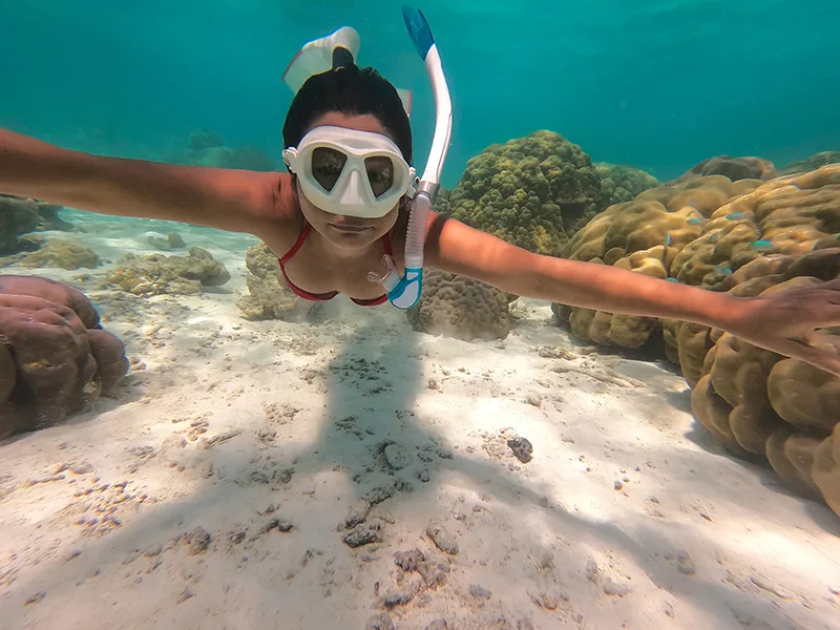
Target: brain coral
(457, 306)
(734, 169)
(645, 235)
(530, 191)
(812, 163)
(749, 238)
(55, 356)
(760, 405)
(788, 215)
(702, 232)
(689, 343)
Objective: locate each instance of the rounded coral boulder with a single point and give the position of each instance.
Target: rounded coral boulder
(54, 355)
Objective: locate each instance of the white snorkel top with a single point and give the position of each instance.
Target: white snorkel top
(317, 56)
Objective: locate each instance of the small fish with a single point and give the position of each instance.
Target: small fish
(714, 237)
(668, 239)
(762, 245)
(726, 271)
(672, 280)
(735, 215)
(695, 221)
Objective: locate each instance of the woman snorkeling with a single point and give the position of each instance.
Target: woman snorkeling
(344, 209)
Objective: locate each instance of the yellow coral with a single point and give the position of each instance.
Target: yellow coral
(759, 404)
(156, 274)
(787, 215)
(531, 191)
(460, 307)
(64, 254)
(647, 236)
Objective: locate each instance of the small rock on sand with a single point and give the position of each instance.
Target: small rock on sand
(433, 575)
(363, 535)
(409, 560)
(379, 494)
(479, 591)
(184, 595)
(357, 514)
(685, 564)
(443, 539)
(521, 448)
(615, 588)
(534, 399)
(393, 598)
(544, 600)
(198, 540)
(396, 456)
(382, 621)
(37, 597)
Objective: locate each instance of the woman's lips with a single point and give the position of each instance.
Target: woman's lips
(354, 229)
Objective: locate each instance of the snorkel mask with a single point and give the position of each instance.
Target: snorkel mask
(363, 174)
(351, 172)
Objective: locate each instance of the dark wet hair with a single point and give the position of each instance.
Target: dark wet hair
(350, 90)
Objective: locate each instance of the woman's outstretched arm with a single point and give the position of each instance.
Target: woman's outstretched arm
(239, 201)
(792, 323)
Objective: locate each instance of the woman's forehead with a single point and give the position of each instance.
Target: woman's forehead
(364, 122)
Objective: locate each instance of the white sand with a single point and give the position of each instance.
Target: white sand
(628, 516)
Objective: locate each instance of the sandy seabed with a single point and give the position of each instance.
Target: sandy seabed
(355, 474)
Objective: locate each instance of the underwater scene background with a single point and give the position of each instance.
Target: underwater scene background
(222, 454)
(659, 84)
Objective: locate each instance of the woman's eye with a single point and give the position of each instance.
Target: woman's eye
(328, 160)
(327, 165)
(380, 173)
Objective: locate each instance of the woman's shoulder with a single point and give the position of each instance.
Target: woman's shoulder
(283, 221)
(285, 201)
(282, 208)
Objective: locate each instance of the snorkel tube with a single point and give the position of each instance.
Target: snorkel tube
(404, 290)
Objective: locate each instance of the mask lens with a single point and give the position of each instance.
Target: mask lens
(380, 172)
(327, 165)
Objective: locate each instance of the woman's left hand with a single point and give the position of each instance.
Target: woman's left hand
(801, 323)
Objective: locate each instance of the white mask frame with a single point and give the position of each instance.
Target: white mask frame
(352, 194)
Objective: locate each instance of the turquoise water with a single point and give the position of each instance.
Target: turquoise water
(265, 461)
(659, 84)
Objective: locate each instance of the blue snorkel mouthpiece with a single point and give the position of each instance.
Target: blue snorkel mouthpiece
(404, 290)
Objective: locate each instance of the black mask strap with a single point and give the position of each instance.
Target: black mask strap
(341, 58)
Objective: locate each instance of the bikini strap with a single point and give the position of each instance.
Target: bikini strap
(301, 239)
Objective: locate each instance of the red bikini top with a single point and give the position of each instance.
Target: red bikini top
(319, 297)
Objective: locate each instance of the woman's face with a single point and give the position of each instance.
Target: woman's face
(347, 232)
